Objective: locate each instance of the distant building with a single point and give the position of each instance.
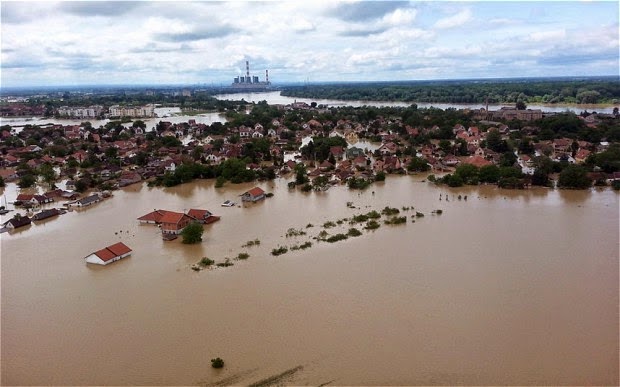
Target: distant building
(80, 112)
(135, 111)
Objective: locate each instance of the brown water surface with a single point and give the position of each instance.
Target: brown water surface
(508, 287)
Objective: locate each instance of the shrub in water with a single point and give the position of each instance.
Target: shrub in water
(217, 362)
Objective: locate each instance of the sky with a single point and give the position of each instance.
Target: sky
(207, 42)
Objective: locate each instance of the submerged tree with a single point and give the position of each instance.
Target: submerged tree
(192, 233)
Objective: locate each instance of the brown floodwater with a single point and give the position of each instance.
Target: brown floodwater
(508, 287)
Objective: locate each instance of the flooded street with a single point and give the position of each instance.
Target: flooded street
(508, 287)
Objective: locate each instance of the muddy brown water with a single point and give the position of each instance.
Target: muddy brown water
(508, 287)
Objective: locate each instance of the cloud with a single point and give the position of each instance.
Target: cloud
(362, 32)
(99, 8)
(365, 10)
(198, 34)
(454, 21)
(15, 13)
(21, 64)
(542, 36)
(578, 58)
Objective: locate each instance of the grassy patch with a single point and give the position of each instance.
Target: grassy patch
(353, 232)
(291, 232)
(389, 211)
(255, 242)
(336, 238)
(396, 220)
(372, 225)
(279, 251)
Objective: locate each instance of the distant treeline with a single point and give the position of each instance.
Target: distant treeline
(586, 91)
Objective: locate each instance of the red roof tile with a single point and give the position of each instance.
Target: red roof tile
(256, 191)
(119, 248)
(154, 216)
(105, 254)
(172, 217)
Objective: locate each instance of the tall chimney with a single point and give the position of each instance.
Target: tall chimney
(267, 76)
(247, 68)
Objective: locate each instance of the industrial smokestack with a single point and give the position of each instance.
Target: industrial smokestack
(247, 68)
(267, 76)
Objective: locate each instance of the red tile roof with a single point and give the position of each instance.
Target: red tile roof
(119, 248)
(105, 254)
(113, 251)
(154, 216)
(256, 191)
(172, 217)
(197, 213)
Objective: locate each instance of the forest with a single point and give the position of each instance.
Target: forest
(583, 91)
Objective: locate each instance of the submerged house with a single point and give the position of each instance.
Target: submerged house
(174, 222)
(88, 200)
(203, 216)
(153, 217)
(253, 195)
(46, 214)
(17, 222)
(109, 254)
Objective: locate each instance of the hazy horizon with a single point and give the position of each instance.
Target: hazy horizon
(89, 44)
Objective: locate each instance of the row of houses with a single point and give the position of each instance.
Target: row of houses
(19, 221)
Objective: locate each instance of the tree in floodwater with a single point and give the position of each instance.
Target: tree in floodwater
(192, 233)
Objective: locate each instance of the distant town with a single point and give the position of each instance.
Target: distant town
(316, 146)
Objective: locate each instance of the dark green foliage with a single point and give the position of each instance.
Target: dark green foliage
(358, 183)
(388, 211)
(372, 225)
(574, 176)
(26, 181)
(81, 185)
(235, 170)
(206, 261)
(301, 176)
(226, 263)
(517, 92)
(291, 232)
(243, 256)
(489, 174)
(2, 183)
(279, 251)
(396, 220)
(495, 142)
(418, 164)
(303, 246)
(353, 232)
(255, 242)
(319, 147)
(336, 238)
(507, 159)
(540, 177)
(608, 160)
(380, 176)
(192, 233)
(615, 185)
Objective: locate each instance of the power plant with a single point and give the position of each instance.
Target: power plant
(250, 83)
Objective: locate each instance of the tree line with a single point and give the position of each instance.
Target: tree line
(586, 91)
